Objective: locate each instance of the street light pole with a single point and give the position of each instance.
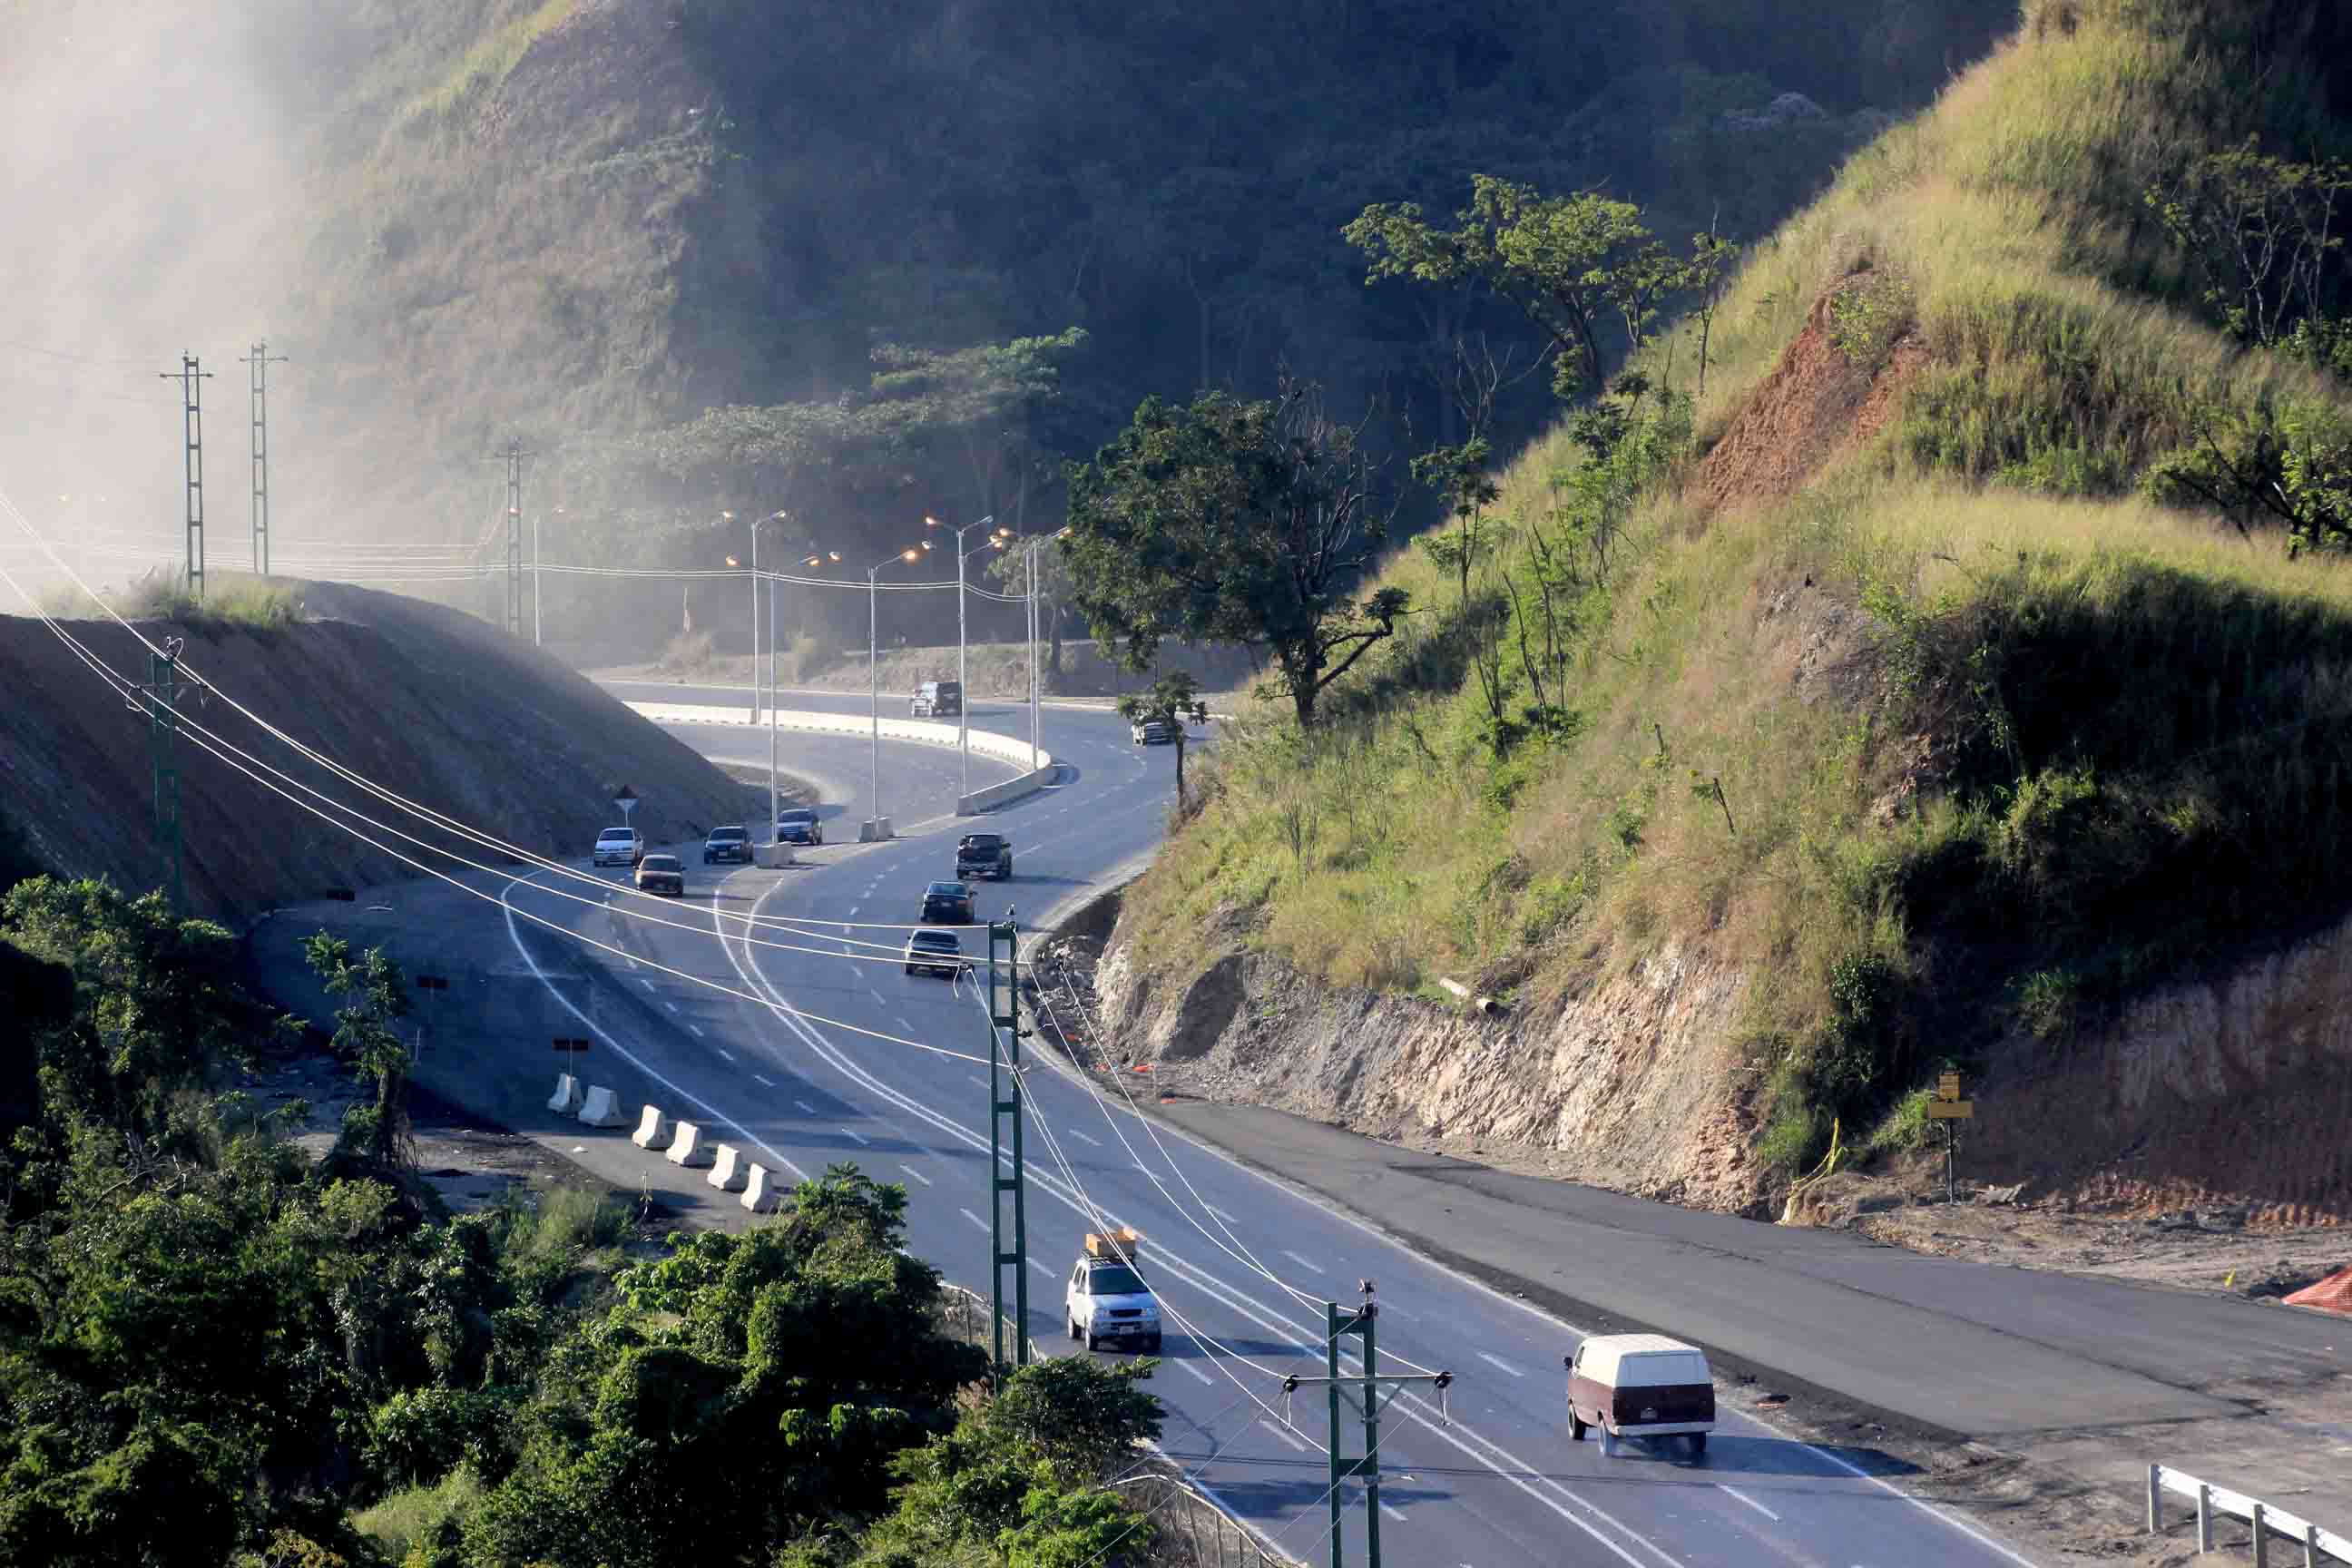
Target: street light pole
(963, 673)
(537, 624)
(873, 684)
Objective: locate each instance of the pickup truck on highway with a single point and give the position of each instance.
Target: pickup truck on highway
(984, 855)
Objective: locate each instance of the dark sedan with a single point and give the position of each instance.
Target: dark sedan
(799, 825)
(948, 903)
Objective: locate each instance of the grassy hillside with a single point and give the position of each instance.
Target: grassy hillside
(1904, 686)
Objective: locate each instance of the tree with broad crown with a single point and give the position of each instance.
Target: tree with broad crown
(1232, 522)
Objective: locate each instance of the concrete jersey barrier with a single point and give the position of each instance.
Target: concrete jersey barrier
(761, 1193)
(654, 1132)
(600, 1109)
(727, 1171)
(686, 1147)
(922, 731)
(566, 1098)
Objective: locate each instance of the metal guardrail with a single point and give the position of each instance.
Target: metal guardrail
(2264, 1521)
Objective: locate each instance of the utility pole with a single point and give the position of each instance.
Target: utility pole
(515, 455)
(1005, 1032)
(261, 360)
(192, 376)
(1360, 1322)
(164, 689)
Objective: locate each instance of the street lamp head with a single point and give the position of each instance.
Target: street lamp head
(931, 521)
(914, 555)
(726, 517)
(927, 544)
(732, 562)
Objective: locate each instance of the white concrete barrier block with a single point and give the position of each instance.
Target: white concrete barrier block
(654, 1131)
(566, 1098)
(727, 1171)
(873, 830)
(600, 1109)
(770, 856)
(687, 1147)
(761, 1191)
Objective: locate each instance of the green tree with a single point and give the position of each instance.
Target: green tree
(1173, 700)
(1075, 1530)
(1081, 1416)
(372, 996)
(2261, 234)
(1233, 521)
(1577, 266)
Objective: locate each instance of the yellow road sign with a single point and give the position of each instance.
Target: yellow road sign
(1951, 1109)
(1948, 1086)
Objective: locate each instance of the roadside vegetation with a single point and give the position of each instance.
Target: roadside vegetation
(214, 1348)
(240, 604)
(2026, 696)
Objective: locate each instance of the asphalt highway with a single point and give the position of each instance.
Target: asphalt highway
(810, 1045)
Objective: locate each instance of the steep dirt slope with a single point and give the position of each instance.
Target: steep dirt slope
(443, 709)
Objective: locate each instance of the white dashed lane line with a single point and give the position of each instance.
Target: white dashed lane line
(917, 1174)
(645, 982)
(861, 1137)
(698, 1031)
(806, 1106)
(1500, 1364)
(1280, 1431)
(976, 1220)
(1094, 1142)
(1397, 1514)
(762, 1082)
(1751, 1502)
(1196, 1372)
(1308, 1264)
(727, 1054)
(671, 1006)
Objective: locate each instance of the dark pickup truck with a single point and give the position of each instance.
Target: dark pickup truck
(984, 855)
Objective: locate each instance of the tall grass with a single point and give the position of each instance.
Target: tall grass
(485, 65)
(1955, 750)
(259, 606)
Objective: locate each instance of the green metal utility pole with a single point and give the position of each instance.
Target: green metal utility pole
(1004, 1031)
(1338, 1322)
(164, 689)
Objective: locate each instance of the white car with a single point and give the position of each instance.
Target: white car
(1107, 1301)
(618, 847)
(1153, 733)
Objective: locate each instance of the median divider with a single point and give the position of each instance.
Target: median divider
(1038, 766)
(761, 1191)
(727, 1171)
(599, 1109)
(566, 1098)
(686, 1147)
(654, 1131)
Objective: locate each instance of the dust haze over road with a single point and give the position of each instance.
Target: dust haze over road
(150, 182)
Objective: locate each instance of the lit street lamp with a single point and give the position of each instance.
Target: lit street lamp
(872, 828)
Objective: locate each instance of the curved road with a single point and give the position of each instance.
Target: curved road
(811, 1044)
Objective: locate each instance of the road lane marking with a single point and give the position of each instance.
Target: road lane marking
(1095, 1142)
(861, 1137)
(917, 1174)
(1397, 1514)
(877, 995)
(1280, 1431)
(1196, 1372)
(1220, 1213)
(1308, 1264)
(671, 1006)
(975, 1219)
(762, 1082)
(698, 1031)
(1497, 1460)
(1497, 1362)
(645, 982)
(1041, 1268)
(727, 1054)
(1751, 1502)
(804, 1105)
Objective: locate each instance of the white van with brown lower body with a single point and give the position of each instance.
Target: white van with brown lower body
(1639, 1385)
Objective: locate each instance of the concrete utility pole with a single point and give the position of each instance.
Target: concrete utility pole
(1005, 1120)
(261, 360)
(192, 376)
